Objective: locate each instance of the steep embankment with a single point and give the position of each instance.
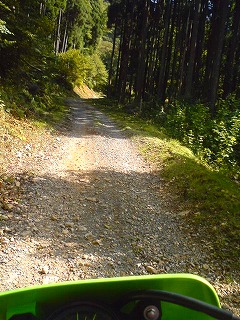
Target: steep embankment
(85, 92)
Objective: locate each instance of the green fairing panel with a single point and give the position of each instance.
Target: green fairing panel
(41, 301)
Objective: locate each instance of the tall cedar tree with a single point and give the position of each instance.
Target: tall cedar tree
(175, 49)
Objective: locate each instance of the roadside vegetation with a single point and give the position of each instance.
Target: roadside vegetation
(174, 80)
(46, 49)
(183, 109)
(206, 197)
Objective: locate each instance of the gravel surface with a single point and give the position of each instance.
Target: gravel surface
(91, 207)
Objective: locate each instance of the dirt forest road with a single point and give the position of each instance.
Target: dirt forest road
(92, 207)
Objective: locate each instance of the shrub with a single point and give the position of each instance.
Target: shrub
(73, 67)
(217, 141)
(76, 68)
(97, 74)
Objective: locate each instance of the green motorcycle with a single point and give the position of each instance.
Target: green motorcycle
(156, 297)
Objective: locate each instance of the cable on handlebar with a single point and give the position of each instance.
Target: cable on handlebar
(181, 300)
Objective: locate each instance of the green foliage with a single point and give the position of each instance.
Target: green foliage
(73, 66)
(32, 72)
(210, 199)
(175, 49)
(78, 69)
(3, 28)
(78, 17)
(29, 39)
(105, 51)
(97, 74)
(36, 29)
(217, 141)
(47, 105)
(83, 21)
(3, 6)
(99, 18)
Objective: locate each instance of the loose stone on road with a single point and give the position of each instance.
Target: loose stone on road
(92, 207)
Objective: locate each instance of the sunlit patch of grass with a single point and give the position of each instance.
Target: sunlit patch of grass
(211, 198)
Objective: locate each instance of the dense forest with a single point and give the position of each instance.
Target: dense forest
(177, 48)
(168, 70)
(177, 61)
(48, 46)
(174, 62)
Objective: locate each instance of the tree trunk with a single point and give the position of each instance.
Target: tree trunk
(198, 75)
(110, 75)
(169, 50)
(58, 36)
(142, 56)
(123, 64)
(236, 73)
(231, 61)
(177, 44)
(163, 60)
(65, 38)
(184, 48)
(222, 7)
(190, 67)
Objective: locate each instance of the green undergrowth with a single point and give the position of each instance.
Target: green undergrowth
(48, 106)
(209, 198)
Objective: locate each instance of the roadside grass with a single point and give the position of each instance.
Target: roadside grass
(207, 199)
(22, 119)
(22, 123)
(15, 133)
(47, 108)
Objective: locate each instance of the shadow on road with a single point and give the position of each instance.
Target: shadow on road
(104, 223)
(87, 120)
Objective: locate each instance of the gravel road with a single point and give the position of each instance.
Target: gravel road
(92, 207)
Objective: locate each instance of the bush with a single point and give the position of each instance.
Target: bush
(217, 141)
(75, 68)
(17, 100)
(72, 67)
(97, 74)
